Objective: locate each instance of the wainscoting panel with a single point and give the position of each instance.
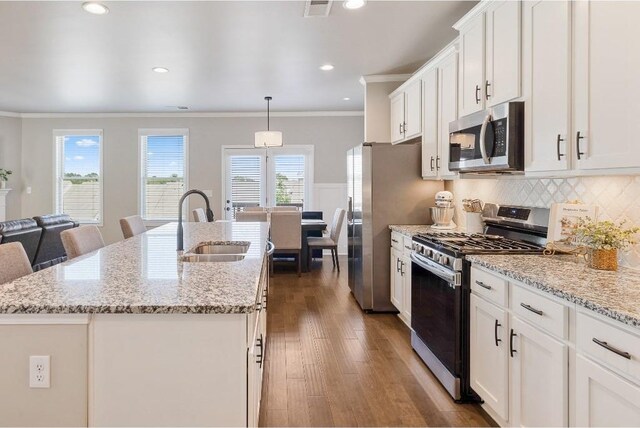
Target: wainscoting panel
(617, 197)
(326, 198)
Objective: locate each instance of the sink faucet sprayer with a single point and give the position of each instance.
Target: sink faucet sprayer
(180, 229)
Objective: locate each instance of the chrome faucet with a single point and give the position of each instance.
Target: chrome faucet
(180, 229)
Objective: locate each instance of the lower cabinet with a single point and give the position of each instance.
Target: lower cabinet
(489, 354)
(257, 350)
(400, 281)
(397, 286)
(405, 273)
(539, 377)
(604, 398)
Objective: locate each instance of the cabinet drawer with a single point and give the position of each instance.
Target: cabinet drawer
(539, 311)
(609, 344)
(406, 245)
(489, 286)
(396, 240)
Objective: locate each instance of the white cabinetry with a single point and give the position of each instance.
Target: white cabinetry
(489, 55)
(400, 279)
(606, 87)
(546, 63)
(539, 377)
(440, 107)
(489, 354)
(406, 112)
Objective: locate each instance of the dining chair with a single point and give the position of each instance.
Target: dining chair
(328, 242)
(199, 215)
(132, 226)
(251, 216)
(246, 209)
(284, 208)
(81, 240)
(286, 234)
(14, 262)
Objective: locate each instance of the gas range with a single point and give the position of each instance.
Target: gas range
(448, 248)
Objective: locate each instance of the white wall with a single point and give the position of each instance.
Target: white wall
(331, 136)
(10, 154)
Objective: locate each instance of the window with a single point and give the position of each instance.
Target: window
(163, 154)
(78, 170)
(279, 176)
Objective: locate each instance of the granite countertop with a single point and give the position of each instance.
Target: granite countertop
(410, 229)
(613, 294)
(142, 275)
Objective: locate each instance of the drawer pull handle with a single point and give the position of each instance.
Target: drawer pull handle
(407, 247)
(394, 240)
(608, 347)
(511, 350)
(532, 309)
(495, 332)
(483, 285)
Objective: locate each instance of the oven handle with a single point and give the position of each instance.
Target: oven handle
(436, 269)
(483, 133)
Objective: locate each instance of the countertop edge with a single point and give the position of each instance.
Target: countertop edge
(570, 297)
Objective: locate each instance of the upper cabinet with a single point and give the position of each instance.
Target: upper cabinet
(546, 63)
(430, 136)
(489, 55)
(406, 112)
(606, 87)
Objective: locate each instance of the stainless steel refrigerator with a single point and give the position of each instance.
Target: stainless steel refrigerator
(385, 187)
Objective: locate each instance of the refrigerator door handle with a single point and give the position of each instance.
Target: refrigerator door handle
(350, 210)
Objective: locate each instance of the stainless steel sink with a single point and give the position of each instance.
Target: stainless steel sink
(212, 252)
(221, 248)
(210, 258)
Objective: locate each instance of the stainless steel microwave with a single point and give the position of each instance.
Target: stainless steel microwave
(491, 140)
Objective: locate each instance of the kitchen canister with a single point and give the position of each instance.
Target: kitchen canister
(474, 223)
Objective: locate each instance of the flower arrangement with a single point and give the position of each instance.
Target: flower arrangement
(604, 235)
(4, 174)
(604, 239)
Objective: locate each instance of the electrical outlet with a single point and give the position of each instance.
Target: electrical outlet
(39, 371)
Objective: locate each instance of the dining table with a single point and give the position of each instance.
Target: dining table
(309, 225)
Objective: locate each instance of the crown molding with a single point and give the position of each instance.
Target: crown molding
(190, 115)
(9, 114)
(383, 78)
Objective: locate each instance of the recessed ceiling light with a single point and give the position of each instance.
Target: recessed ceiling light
(353, 4)
(346, 99)
(95, 8)
(326, 67)
(160, 69)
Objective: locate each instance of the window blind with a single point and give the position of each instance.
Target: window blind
(79, 176)
(163, 175)
(290, 179)
(246, 178)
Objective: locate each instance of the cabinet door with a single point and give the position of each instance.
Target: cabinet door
(396, 280)
(606, 84)
(471, 97)
(489, 355)
(406, 288)
(538, 390)
(502, 60)
(397, 118)
(447, 109)
(547, 55)
(603, 398)
(413, 110)
(430, 123)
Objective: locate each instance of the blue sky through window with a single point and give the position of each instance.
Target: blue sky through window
(82, 154)
(165, 156)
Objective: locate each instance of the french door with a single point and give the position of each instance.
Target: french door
(266, 177)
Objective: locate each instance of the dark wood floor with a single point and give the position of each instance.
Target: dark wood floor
(330, 364)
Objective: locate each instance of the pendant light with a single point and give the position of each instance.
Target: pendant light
(265, 139)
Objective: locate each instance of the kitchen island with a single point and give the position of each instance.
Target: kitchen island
(138, 338)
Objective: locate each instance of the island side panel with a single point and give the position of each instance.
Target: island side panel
(168, 370)
(64, 339)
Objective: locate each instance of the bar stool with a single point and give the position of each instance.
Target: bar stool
(81, 240)
(14, 262)
(132, 226)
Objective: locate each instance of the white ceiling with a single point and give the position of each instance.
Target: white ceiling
(223, 56)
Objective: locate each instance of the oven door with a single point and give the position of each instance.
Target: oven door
(436, 312)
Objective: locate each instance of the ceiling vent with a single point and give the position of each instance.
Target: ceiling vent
(317, 8)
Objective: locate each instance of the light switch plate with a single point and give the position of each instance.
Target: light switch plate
(39, 371)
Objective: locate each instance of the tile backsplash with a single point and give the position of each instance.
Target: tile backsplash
(618, 197)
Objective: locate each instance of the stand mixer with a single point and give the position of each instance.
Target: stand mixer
(442, 213)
